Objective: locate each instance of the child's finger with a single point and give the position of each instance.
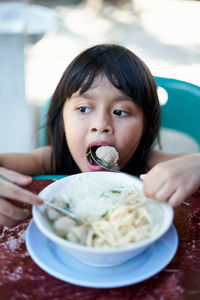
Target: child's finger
(15, 177)
(142, 176)
(177, 198)
(10, 211)
(164, 193)
(12, 191)
(23, 179)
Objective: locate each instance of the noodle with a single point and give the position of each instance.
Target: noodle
(124, 225)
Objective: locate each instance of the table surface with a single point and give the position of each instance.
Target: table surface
(21, 278)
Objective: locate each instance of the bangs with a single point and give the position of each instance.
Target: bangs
(122, 68)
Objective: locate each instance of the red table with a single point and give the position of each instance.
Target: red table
(21, 278)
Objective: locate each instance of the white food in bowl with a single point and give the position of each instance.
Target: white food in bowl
(118, 214)
(162, 217)
(107, 154)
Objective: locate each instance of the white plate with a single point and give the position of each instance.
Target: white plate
(56, 262)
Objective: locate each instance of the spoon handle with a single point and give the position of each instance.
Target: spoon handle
(62, 210)
(66, 212)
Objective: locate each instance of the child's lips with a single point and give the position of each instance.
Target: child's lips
(95, 168)
(98, 143)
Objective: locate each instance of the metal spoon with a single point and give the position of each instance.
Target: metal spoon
(66, 212)
(103, 164)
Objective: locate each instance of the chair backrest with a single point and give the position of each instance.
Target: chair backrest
(181, 112)
(42, 130)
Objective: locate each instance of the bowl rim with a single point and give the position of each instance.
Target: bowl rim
(36, 211)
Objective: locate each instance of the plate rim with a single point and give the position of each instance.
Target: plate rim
(84, 282)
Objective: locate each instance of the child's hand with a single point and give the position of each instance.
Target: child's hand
(173, 180)
(11, 214)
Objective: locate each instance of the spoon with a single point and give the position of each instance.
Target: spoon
(103, 164)
(66, 212)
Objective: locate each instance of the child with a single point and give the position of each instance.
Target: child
(106, 96)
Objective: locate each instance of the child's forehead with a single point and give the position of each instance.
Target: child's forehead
(100, 84)
(101, 80)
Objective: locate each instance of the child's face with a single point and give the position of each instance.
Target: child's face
(103, 115)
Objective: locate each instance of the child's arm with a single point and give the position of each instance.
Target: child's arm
(11, 165)
(157, 157)
(173, 177)
(36, 162)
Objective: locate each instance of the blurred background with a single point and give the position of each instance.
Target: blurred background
(39, 38)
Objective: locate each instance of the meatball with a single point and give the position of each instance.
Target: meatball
(108, 154)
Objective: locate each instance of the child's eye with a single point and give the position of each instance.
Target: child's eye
(120, 112)
(84, 109)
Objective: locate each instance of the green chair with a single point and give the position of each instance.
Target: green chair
(42, 141)
(181, 112)
(42, 128)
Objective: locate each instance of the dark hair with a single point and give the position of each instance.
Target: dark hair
(126, 72)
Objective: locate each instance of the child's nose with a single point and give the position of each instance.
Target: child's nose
(102, 124)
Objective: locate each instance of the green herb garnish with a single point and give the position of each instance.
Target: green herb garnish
(105, 214)
(89, 152)
(105, 164)
(115, 192)
(104, 195)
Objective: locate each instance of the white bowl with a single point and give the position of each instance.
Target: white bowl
(96, 256)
